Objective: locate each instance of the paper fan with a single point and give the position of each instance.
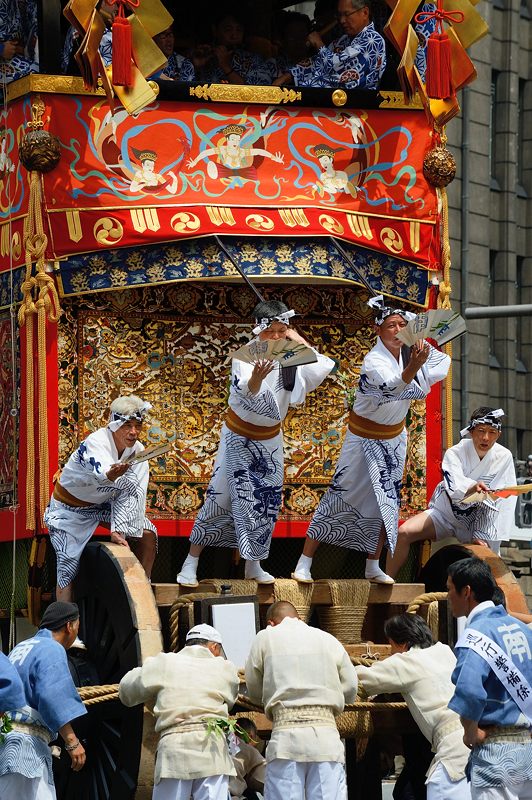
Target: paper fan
(440, 324)
(149, 452)
(287, 352)
(493, 494)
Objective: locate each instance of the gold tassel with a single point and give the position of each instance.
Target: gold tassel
(39, 297)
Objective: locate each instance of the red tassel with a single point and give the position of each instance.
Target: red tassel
(438, 77)
(121, 61)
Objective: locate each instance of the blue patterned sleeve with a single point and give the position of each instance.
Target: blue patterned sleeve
(424, 31)
(253, 69)
(470, 696)
(58, 700)
(187, 72)
(106, 47)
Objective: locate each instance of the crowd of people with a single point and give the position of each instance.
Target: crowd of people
(472, 705)
(343, 46)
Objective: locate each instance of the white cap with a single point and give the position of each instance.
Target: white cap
(206, 632)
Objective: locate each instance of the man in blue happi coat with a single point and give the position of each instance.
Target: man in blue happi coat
(49, 705)
(356, 60)
(493, 693)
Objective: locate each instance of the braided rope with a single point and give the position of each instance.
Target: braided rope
(345, 617)
(181, 602)
(299, 594)
(90, 695)
(423, 599)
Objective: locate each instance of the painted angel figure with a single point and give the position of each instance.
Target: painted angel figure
(336, 181)
(232, 158)
(146, 179)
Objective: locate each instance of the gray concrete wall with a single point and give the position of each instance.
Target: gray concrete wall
(491, 223)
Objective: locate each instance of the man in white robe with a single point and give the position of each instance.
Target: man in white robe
(185, 690)
(476, 464)
(98, 486)
(244, 495)
(360, 510)
(421, 670)
(303, 677)
(250, 765)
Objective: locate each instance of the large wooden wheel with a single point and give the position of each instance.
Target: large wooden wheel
(434, 573)
(120, 625)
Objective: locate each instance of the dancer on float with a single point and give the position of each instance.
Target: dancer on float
(98, 486)
(476, 464)
(360, 510)
(244, 495)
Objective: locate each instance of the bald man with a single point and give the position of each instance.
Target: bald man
(303, 677)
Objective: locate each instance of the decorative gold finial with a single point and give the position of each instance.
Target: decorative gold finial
(39, 150)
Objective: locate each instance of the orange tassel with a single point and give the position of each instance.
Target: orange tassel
(438, 78)
(121, 61)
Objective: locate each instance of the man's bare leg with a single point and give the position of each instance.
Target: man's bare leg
(415, 529)
(302, 570)
(64, 594)
(145, 549)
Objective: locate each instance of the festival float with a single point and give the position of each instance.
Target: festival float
(136, 220)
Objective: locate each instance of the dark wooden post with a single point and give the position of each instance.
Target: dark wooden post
(49, 21)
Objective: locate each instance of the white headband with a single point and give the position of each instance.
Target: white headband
(489, 419)
(265, 322)
(117, 420)
(382, 311)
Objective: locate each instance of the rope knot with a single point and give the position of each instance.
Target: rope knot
(440, 16)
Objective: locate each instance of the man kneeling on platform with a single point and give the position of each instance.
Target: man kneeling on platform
(475, 464)
(303, 677)
(98, 486)
(186, 690)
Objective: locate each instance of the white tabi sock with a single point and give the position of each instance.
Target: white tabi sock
(304, 563)
(187, 575)
(255, 572)
(374, 573)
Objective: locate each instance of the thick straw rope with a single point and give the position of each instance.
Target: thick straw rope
(40, 298)
(90, 695)
(177, 605)
(345, 617)
(433, 616)
(239, 587)
(299, 594)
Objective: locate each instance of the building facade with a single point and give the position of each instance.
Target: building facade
(491, 224)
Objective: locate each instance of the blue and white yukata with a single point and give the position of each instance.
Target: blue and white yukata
(50, 701)
(11, 689)
(488, 520)
(251, 68)
(424, 31)
(501, 767)
(352, 63)
(121, 504)
(178, 68)
(15, 27)
(244, 495)
(365, 491)
(72, 43)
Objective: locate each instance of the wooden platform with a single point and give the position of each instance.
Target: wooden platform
(395, 594)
